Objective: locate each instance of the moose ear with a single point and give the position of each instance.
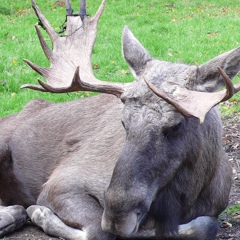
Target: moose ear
(134, 53)
(208, 76)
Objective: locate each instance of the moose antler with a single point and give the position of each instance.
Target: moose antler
(70, 59)
(193, 103)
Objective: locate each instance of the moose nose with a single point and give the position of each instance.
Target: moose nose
(109, 226)
(106, 226)
(123, 227)
(115, 229)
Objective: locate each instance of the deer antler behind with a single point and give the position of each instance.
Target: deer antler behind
(70, 59)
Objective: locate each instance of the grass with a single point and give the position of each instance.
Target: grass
(235, 209)
(186, 31)
(230, 213)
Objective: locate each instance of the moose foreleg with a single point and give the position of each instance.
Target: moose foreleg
(11, 218)
(52, 225)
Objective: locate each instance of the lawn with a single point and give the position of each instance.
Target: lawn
(177, 31)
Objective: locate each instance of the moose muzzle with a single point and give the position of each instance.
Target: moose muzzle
(124, 226)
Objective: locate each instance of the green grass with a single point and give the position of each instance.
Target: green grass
(229, 213)
(186, 31)
(235, 209)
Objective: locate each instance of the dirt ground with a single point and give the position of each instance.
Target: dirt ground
(229, 224)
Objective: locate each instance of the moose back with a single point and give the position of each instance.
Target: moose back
(140, 160)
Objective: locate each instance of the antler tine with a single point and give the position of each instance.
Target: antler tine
(53, 35)
(230, 88)
(42, 71)
(33, 87)
(47, 51)
(100, 10)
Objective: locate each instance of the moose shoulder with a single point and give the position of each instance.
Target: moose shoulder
(147, 162)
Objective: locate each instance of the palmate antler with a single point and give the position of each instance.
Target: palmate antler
(70, 59)
(193, 103)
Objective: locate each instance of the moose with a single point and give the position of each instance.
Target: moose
(140, 160)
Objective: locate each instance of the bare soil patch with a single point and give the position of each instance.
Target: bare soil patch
(230, 223)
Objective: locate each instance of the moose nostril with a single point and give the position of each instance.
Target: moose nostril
(140, 217)
(104, 225)
(107, 226)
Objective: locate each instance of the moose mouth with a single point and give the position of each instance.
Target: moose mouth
(118, 230)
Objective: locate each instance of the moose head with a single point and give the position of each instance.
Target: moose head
(171, 146)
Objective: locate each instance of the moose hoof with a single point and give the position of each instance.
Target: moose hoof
(39, 215)
(52, 225)
(11, 218)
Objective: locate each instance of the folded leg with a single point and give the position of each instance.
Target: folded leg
(77, 219)
(52, 224)
(11, 218)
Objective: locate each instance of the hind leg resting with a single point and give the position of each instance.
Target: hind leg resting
(11, 218)
(52, 225)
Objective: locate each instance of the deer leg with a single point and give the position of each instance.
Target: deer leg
(11, 218)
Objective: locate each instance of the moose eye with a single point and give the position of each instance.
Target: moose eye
(141, 214)
(176, 127)
(123, 99)
(171, 131)
(123, 123)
